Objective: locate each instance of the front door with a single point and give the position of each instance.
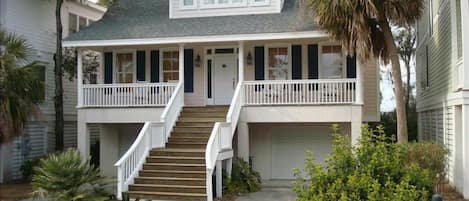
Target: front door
(224, 78)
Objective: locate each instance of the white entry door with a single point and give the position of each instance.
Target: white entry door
(224, 78)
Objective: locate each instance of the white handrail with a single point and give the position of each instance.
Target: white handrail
(126, 95)
(294, 92)
(174, 107)
(130, 163)
(152, 135)
(222, 136)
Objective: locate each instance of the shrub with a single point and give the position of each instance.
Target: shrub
(27, 168)
(431, 157)
(65, 176)
(243, 179)
(373, 170)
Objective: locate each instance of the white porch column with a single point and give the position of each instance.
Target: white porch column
(229, 166)
(80, 78)
(359, 86)
(181, 63)
(465, 42)
(465, 148)
(241, 61)
(356, 124)
(219, 178)
(108, 149)
(83, 140)
(243, 140)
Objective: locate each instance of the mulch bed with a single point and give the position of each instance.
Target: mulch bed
(14, 192)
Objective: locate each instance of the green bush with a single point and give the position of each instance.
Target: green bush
(243, 179)
(373, 170)
(27, 168)
(431, 157)
(66, 177)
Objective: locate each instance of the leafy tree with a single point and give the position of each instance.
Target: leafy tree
(58, 74)
(364, 28)
(106, 3)
(374, 170)
(406, 41)
(21, 86)
(65, 176)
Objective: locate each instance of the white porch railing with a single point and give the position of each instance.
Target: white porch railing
(127, 95)
(152, 135)
(291, 92)
(222, 136)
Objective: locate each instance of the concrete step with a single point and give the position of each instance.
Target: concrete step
(178, 152)
(176, 159)
(174, 166)
(168, 188)
(168, 196)
(171, 181)
(172, 173)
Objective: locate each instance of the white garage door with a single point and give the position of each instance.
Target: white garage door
(287, 148)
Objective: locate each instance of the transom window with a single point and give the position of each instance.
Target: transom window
(125, 67)
(170, 66)
(278, 63)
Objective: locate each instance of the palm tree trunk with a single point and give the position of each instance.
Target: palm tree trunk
(401, 115)
(58, 102)
(409, 88)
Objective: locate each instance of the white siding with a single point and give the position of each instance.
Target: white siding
(274, 7)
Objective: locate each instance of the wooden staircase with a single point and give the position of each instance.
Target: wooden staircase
(178, 171)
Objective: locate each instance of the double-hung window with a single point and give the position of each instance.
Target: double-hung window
(278, 63)
(125, 67)
(170, 65)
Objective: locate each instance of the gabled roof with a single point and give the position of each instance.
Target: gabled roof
(142, 19)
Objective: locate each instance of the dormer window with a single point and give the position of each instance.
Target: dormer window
(194, 4)
(188, 4)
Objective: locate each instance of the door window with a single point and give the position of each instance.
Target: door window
(278, 63)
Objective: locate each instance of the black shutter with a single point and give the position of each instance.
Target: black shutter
(313, 61)
(141, 65)
(188, 70)
(108, 68)
(259, 63)
(155, 66)
(351, 67)
(296, 62)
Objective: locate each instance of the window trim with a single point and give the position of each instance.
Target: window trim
(320, 66)
(115, 68)
(162, 50)
(266, 59)
(77, 23)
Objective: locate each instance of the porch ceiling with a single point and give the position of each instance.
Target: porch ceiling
(149, 19)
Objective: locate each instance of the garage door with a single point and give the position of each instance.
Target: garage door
(287, 148)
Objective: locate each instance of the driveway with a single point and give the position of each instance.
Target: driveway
(269, 194)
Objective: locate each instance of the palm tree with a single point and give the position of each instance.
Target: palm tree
(364, 28)
(58, 75)
(21, 88)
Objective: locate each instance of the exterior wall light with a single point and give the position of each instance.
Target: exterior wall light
(249, 59)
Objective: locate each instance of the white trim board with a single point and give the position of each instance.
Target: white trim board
(197, 39)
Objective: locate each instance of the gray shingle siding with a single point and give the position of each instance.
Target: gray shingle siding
(137, 19)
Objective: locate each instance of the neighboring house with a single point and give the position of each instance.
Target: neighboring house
(443, 83)
(199, 82)
(35, 21)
